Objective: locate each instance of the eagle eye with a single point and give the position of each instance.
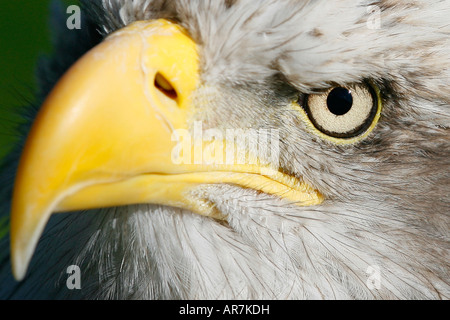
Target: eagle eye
(340, 101)
(344, 112)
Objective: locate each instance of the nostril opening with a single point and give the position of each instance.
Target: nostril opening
(165, 87)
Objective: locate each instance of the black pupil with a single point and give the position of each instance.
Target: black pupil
(340, 101)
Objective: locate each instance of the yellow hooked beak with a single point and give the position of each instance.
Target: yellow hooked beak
(105, 137)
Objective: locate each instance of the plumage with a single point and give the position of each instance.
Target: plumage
(386, 197)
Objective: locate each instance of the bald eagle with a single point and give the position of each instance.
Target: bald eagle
(235, 149)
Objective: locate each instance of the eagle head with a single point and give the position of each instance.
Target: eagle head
(242, 149)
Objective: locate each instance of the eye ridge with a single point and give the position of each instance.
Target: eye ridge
(341, 97)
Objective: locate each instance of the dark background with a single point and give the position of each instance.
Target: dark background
(24, 36)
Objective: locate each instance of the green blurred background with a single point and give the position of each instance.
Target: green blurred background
(24, 36)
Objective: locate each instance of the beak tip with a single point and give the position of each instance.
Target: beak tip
(19, 267)
(22, 250)
(24, 237)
